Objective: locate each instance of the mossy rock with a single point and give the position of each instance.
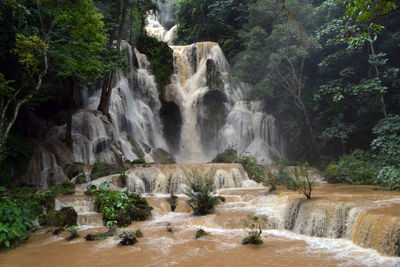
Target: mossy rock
(162, 156)
(74, 169)
(135, 146)
(252, 240)
(104, 169)
(65, 216)
(228, 156)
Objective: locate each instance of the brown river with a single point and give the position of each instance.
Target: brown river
(341, 226)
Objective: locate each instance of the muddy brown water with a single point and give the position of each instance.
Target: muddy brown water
(223, 246)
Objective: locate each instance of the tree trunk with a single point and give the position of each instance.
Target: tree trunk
(69, 85)
(107, 89)
(378, 76)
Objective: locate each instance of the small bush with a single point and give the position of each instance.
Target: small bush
(173, 201)
(255, 172)
(201, 194)
(228, 156)
(72, 233)
(139, 161)
(63, 217)
(254, 226)
(300, 180)
(120, 208)
(103, 169)
(200, 233)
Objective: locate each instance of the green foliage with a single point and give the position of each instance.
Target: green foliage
(200, 233)
(15, 221)
(139, 161)
(15, 157)
(119, 208)
(173, 201)
(389, 176)
(228, 156)
(386, 145)
(299, 180)
(254, 226)
(356, 168)
(160, 56)
(29, 49)
(200, 191)
(256, 172)
(63, 217)
(363, 18)
(72, 233)
(104, 169)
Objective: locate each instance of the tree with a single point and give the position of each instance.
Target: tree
(139, 9)
(254, 226)
(33, 60)
(363, 18)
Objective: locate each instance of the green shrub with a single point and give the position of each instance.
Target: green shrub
(386, 145)
(255, 172)
(72, 233)
(299, 180)
(139, 161)
(389, 176)
(15, 221)
(103, 169)
(173, 201)
(201, 194)
(356, 168)
(228, 156)
(254, 226)
(66, 188)
(200, 233)
(120, 208)
(63, 217)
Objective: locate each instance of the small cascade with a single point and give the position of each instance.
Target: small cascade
(173, 178)
(378, 229)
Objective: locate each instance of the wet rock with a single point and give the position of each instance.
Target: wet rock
(161, 156)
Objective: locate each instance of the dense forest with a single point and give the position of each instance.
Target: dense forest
(327, 71)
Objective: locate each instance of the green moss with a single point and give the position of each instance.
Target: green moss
(103, 169)
(252, 240)
(200, 233)
(63, 217)
(160, 56)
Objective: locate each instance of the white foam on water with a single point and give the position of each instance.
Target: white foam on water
(342, 249)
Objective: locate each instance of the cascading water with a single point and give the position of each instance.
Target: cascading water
(132, 131)
(215, 114)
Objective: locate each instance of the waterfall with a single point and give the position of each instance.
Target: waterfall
(215, 114)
